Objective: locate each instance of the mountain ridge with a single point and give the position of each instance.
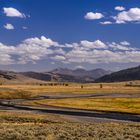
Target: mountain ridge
(56, 75)
(129, 74)
(69, 75)
(95, 73)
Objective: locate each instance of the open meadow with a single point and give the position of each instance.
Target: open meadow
(32, 90)
(18, 121)
(120, 105)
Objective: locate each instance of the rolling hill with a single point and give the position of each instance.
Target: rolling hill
(10, 77)
(123, 75)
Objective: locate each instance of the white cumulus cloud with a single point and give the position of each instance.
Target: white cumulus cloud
(106, 22)
(132, 15)
(12, 12)
(93, 16)
(119, 8)
(124, 16)
(89, 52)
(96, 44)
(9, 26)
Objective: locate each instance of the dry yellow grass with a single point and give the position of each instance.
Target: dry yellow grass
(31, 126)
(36, 90)
(121, 105)
(69, 131)
(125, 105)
(28, 117)
(10, 93)
(24, 126)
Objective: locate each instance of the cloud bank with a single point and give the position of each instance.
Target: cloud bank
(90, 52)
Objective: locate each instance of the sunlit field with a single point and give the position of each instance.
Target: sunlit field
(127, 105)
(27, 125)
(25, 91)
(121, 105)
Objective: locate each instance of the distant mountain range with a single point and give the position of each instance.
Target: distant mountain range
(68, 75)
(94, 74)
(123, 75)
(57, 75)
(48, 76)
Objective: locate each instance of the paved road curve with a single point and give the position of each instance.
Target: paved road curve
(89, 116)
(81, 115)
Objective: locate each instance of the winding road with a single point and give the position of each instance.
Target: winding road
(77, 114)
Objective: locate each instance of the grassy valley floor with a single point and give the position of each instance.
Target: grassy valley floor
(35, 125)
(26, 126)
(120, 105)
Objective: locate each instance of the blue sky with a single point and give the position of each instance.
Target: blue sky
(45, 34)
